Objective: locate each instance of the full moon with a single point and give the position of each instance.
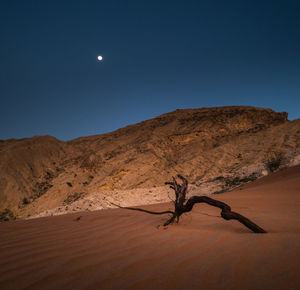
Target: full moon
(100, 57)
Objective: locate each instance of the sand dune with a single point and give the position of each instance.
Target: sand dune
(120, 249)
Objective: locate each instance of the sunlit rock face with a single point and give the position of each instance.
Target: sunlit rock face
(214, 148)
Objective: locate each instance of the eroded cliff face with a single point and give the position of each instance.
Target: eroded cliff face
(209, 146)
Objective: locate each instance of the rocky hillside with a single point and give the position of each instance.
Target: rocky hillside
(215, 148)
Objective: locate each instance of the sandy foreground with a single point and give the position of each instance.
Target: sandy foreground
(121, 249)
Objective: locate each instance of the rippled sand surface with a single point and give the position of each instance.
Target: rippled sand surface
(120, 249)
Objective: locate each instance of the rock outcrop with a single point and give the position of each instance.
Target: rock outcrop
(214, 148)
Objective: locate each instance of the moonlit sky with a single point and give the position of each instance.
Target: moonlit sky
(158, 56)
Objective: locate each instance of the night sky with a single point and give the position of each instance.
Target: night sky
(158, 56)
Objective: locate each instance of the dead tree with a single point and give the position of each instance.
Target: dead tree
(182, 206)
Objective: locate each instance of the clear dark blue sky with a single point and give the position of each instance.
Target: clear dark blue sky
(157, 56)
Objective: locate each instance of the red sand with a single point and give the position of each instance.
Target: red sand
(120, 249)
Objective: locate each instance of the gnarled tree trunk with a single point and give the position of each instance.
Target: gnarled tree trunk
(182, 206)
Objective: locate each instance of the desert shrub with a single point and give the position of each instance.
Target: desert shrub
(41, 188)
(69, 184)
(218, 178)
(25, 200)
(237, 180)
(220, 191)
(73, 197)
(49, 175)
(230, 182)
(6, 215)
(274, 163)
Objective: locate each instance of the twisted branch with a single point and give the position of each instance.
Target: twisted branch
(144, 210)
(182, 207)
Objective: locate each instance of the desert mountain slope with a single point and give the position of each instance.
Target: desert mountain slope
(221, 146)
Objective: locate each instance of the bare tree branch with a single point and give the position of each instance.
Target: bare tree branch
(181, 207)
(226, 212)
(144, 210)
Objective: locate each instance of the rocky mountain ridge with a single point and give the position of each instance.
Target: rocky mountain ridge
(215, 148)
